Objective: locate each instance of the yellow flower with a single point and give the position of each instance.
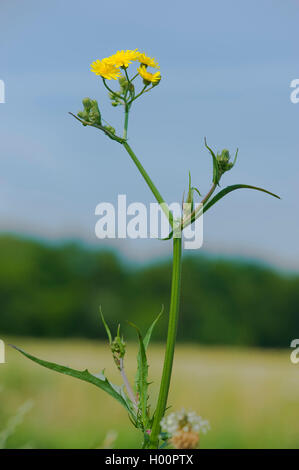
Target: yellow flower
(105, 69)
(123, 58)
(149, 61)
(148, 76)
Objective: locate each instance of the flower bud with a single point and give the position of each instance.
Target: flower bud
(223, 160)
(224, 156)
(146, 82)
(83, 115)
(94, 113)
(123, 82)
(91, 112)
(110, 129)
(87, 103)
(118, 348)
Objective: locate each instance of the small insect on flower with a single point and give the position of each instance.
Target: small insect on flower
(106, 69)
(184, 428)
(148, 61)
(149, 77)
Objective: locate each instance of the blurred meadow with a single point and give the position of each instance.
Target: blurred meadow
(238, 315)
(235, 371)
(250, 396)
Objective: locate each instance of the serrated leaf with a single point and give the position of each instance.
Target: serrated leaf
(142, 374)
(99, 381)
(229, 189)
(146, 340)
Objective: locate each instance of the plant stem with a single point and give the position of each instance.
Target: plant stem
(111, 91)
(127, 108)
(170, 344)
(127, 384)
(199, 210)
(149, 182)
(139, 94)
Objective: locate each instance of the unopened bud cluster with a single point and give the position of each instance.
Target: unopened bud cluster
(117, 97)
(118, 348)
(91, 112)
(224, 163)
(91, 115)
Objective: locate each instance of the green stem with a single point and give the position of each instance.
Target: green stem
(150, 184)
(195, 214)
(171, 337)
(111, 91)
(139, 94)
(127, 109)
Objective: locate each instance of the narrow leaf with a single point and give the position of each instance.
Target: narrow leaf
(106, 326)
(197, 190)
(223, 193)
(216, 176)
(229, 189)
(148, 335)
(169, 237)
(235, 159)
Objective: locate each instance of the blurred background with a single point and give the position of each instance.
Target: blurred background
(226, 73)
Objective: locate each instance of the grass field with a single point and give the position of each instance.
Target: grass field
(250, 397)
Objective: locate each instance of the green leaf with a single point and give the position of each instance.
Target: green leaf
(197, 190)
(223, 193)
(106, 326)
(141, 377)
(148, 335)
(141, 382)
(229, 189)
(99, 381)
(235, 159)
(216, 175)
(190, 198)
(169, 237)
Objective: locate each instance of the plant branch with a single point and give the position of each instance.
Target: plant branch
(191, 217)
(98, 126)
(111, 91)
(127, 109)
(127, 384)
(150, 183)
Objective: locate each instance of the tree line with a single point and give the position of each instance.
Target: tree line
(56, 290)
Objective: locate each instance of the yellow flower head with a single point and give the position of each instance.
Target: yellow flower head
(148, 76)
(106, 69)
(123, 58)
(149, 61)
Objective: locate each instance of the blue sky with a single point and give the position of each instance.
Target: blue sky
(226, 67)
